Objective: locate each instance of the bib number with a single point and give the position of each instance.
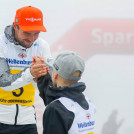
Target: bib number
(18, 92)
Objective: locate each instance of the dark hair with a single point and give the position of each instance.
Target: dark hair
(17, 26)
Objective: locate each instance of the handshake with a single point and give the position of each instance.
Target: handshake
(38, 67)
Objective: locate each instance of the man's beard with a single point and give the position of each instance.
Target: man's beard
(25, 46)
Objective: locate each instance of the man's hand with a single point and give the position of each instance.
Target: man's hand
(38, 60)
(38, 70)
(38, 67)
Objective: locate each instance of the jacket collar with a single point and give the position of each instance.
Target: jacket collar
(74, 92)
(10, 35)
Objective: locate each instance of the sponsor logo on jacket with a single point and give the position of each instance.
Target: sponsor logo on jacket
(88, 116)
(22, 55)
(86, 124)
(14, 61)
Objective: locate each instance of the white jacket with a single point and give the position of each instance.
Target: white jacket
(84, 120)
(13, 111)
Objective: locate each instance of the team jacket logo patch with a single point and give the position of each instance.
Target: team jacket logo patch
(88, 116)
(22, 55)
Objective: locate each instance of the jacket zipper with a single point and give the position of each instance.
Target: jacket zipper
(17, 110)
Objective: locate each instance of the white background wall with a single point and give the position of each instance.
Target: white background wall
(109, 78)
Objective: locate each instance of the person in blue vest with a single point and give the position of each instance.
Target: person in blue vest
(68, 110)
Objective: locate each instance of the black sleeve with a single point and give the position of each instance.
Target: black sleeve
(43, 84)
(57, 119)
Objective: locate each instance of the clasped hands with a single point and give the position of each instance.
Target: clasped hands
(38, 67)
